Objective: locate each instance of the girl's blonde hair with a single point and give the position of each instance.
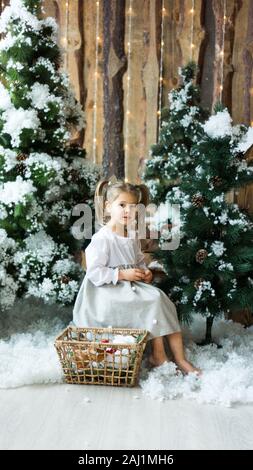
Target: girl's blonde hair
(108, 191)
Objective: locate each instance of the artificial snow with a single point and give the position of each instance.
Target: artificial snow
(219, 125)
(227, 373)
(15, 120)
(13, 192)
(5, 100)
(27, 348)
(28, 357)
(246, 142)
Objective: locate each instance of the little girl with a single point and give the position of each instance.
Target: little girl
(116, 290)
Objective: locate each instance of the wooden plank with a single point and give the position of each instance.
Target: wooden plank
(242, 88)
(113, 70)
(145, 98)
(94, 121)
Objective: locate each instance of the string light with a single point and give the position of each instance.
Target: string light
(2, 5)
(65, 39)
(129, 50)
(96, 75)
(161, 70)
(222, 47)
(192, 11)
(2, 8)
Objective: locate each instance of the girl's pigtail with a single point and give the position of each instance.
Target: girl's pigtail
(144, 192)
(99, 200)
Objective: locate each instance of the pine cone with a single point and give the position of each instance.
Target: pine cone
(21, 157)
(74, 175)
(21, 169)
(201, 255)
(198, 201)
(198, 282)
(217, 181)
(65, 279)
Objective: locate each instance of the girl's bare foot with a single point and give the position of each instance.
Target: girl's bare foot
(156, 361)
(185, 367)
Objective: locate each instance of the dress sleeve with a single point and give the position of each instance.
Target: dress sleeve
(97, 254)
(140, 256)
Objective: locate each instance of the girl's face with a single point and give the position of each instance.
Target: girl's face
(123, 209)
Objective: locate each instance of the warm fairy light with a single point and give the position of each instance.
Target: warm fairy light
(222, 47)
(161, 70)
(128, 78)
(251, 123)
(192, 10)
(65, 39)
(126, 180)
(96, 74)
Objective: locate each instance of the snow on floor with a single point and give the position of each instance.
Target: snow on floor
(27, 353)
(28, 356)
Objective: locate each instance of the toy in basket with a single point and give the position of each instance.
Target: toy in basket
(102, 356)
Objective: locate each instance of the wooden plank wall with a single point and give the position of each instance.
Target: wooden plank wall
(125, 91)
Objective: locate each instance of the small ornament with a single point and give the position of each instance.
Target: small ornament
(201, 256)
(65, 279)
(217, 181)
(96, 355)
(111, 350)
(198, 200)
(198, 282)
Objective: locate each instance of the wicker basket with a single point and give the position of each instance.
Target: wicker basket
(88, 357)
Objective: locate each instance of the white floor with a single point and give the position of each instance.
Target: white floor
(58, 417)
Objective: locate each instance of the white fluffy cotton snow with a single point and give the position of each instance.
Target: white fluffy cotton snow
(27, 353)
(28, 356)
(227, 376)
(219, 125)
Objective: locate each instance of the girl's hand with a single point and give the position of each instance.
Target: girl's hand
(135, 274)
(148, 276)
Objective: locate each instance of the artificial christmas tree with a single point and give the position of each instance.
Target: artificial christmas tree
(180, 129)
(42, 176)
(212, 269)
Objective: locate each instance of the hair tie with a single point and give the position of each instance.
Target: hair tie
(112, 180)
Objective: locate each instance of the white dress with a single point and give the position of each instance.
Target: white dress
(103, 301)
